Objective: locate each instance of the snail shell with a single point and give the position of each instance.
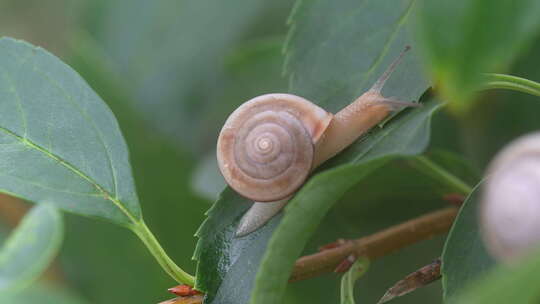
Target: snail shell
(510, 210)
(266, 147)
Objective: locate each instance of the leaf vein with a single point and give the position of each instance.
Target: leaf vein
(84, 114)
(73, 169)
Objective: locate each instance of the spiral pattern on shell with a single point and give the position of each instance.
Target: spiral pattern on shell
(510, 210)
(265, 149)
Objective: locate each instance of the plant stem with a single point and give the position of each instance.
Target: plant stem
(357, 270)
(182, 277)
(438, 172)
(376, 245)
(503, 81)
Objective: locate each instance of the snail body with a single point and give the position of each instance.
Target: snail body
(270, 144)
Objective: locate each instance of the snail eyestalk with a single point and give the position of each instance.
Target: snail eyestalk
(379, 84)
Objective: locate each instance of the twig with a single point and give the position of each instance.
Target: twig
(376, 245)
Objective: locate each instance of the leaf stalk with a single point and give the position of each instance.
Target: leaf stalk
(425, 165)
(173, 270)
(509, 82)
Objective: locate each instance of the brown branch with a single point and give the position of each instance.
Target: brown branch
(376, 245)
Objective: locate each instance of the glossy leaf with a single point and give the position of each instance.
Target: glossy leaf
(464, 256)
(59, 142)
(356, 271)
(227, 265)
(30, 248)
(516, 284)
(463, 39)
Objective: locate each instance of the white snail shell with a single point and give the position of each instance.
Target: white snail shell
(266, 147)
(510, 210)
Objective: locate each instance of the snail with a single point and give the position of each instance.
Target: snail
(510, 205)
(269, 145)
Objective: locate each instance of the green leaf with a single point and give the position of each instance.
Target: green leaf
(463, 39)
(407, 134)
(30, 248)
(464, 256)
(336, 52)
(59, 142)
(356, 271)
(516, 284)
(227, 265)
(162, 175)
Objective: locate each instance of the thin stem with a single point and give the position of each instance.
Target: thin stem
(357, 270)
(503, 81)
(182, 277)
(439, 173)
(376, 245)
(379, 84)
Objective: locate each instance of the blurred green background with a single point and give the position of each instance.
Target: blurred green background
(171, 71)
